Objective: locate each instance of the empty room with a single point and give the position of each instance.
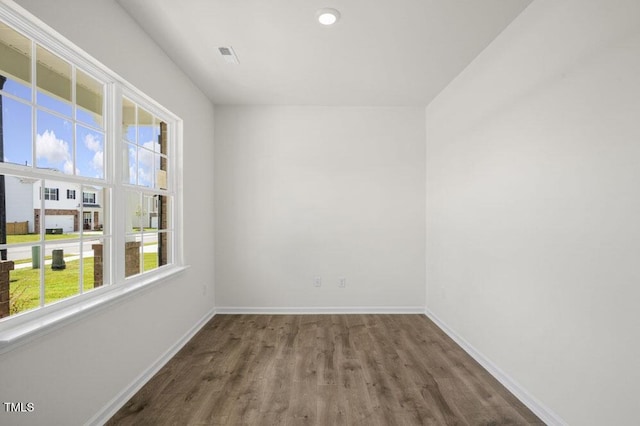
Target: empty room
(318, 212)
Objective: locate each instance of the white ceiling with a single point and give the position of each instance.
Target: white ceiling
(401, 52)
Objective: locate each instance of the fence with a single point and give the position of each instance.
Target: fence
(17, 228)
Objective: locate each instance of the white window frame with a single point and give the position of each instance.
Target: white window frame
(86, 200)
(23, 327)
(52, 194)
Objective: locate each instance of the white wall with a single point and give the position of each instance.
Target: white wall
(533, 206)
(19, 200)
(319, 191)
(73, 372)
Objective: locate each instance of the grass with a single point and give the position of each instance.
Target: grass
(34, 238)
(21, 261)
(25, 283)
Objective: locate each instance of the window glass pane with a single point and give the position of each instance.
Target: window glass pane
(156, 135)
(61, 217)
(145, 167)
(15, 63)
(93, 219)
(150, 251)
(149, 212)
(135, 212)
(146, 129)
(53, 104)
(129, 131)
(53, 78)
(21, 197)
(93, 257)
(147, 160)
(131, 159)
(161, 172)
(16, 127)
(161, 161)
(15, 88)
(132, 255)
(164, 248)
(156, 250)
(89, 152)
(61, 272)
(164, 212)
(24, 279)
(90, 99)
(54, 143)
(164, 138)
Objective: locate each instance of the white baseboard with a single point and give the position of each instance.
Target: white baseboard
(539, 409)
(102, 416)
(321, 310)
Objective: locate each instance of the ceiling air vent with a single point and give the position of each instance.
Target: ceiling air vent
(229, 55)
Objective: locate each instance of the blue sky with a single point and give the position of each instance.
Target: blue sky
(54, 144)
(141, 153)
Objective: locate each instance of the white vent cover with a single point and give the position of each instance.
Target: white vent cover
(228, 54)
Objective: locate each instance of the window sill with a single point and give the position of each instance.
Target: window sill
(39, 325)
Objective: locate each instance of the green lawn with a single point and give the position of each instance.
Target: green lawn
(33, 238)
(20, 261)
(25, 283)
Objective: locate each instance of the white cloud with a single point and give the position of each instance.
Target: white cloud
(92, 143)
(132, 175)
(52, 149)
(146, 157)
(68, 168)
(98, 160)
(144, 177)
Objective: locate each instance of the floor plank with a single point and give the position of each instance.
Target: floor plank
(322, 370)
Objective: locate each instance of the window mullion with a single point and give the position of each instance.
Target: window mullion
(115, 171)
(175, 163)
(43, 246)
(34, 117)
(74, 129)
(82, 243)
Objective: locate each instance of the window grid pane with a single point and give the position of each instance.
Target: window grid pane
(15, 62)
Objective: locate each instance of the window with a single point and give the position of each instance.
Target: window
(57, 134)
(148, 209)
(51, 194)
(88, 198)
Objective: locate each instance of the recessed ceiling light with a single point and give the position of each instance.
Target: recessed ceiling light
(328, 16)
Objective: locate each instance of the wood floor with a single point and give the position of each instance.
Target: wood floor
(322, 370)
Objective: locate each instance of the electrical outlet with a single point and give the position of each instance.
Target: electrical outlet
(342, 282)
(317, 282)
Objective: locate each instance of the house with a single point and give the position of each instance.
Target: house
(503, 203)
(19, 193)
(64, 204)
